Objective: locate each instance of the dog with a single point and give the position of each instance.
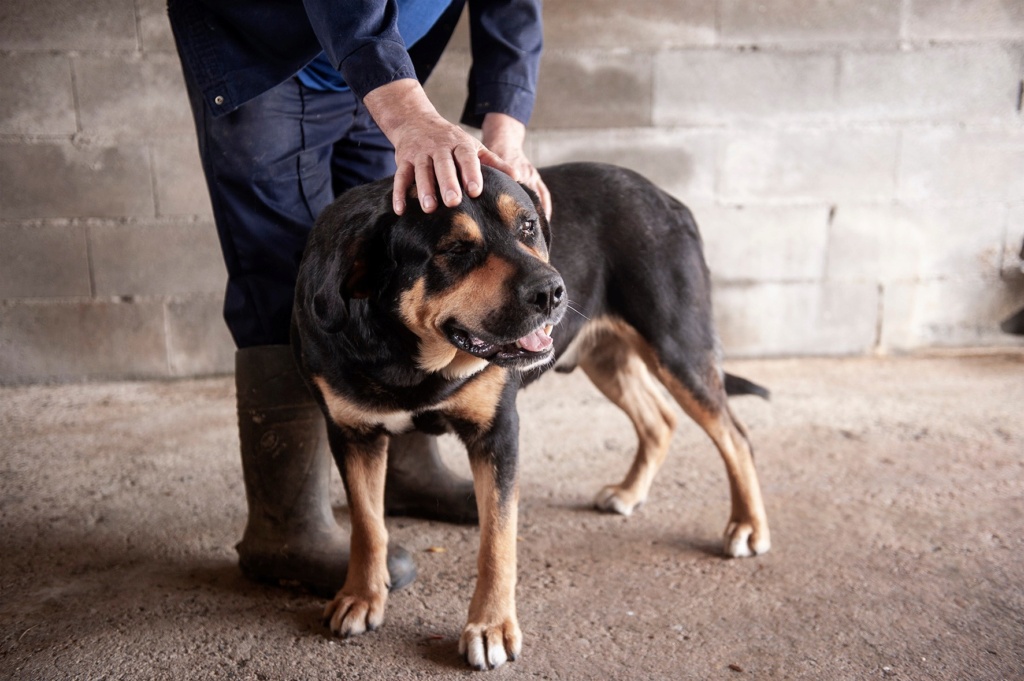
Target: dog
(434, 321)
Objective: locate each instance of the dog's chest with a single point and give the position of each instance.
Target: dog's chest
(346, 412)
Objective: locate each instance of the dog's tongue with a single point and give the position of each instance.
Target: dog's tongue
(536, 341)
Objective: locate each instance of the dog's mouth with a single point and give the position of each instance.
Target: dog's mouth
(532, 346)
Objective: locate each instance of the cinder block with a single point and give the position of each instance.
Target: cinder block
(37, 96)
(796, 319)
(43, 261)
(964, 19)
(922, 240)
(82, 339)
(180, 183)
(810, 165)
(133, 97)
(764, 243)
(640, 25)
(67, 25)
(721, 86)
(198, 341)
(593, 90)
(963, 82)
(156, 259)
(950, 313)
(154, 26)
(956, 165)
(63, 180)
(1013, 249)
(682, 162)
(808, 21)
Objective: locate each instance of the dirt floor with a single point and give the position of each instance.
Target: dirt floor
(894, 487)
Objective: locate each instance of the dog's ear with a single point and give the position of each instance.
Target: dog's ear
(347, 258)
(545, 228)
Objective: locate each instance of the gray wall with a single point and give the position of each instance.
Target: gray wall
(857, 167)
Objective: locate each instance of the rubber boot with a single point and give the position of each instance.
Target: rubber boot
(420, 485)
(291, 535)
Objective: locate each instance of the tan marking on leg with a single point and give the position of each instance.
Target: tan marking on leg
(359, 605)
(492, 635)
(747, 533)
(616, 367)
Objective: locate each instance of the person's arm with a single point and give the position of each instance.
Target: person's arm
(431, 153)
(507, 38)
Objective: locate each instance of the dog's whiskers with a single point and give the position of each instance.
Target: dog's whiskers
(569, 304)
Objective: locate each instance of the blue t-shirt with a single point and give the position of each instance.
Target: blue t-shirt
(415, 18)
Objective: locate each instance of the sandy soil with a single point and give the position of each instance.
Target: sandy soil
(895, 489)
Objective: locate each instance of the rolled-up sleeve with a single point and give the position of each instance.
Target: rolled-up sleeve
(507, 38)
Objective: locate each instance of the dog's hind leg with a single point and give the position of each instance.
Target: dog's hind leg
(359, 605)
(702, 396)
(613, 361)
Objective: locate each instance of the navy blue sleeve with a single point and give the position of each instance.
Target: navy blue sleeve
(361, 40)
(506, 38)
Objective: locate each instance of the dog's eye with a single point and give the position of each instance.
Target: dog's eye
(528, 228)
(458, 248)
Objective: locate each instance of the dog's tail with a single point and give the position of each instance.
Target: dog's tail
(736, 385)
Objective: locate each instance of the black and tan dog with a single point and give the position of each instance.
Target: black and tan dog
(435, 322)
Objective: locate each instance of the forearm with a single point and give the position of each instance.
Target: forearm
(503, 134)
(396, 104)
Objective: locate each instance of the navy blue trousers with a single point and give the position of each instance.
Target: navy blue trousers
(271, 166)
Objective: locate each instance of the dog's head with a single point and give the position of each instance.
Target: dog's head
(472, 283)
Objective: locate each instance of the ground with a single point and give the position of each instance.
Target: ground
(894, 488)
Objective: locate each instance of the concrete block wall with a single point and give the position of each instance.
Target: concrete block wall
(857, 168)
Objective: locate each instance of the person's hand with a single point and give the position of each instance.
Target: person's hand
(504, 136)
(430, 152)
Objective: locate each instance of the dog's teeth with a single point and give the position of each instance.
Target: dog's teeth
(548, 328)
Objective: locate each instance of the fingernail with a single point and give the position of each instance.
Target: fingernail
(473, 188)
(427, 202)
(399, 207)
(451, 198)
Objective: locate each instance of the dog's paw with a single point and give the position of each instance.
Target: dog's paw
(488, 646)
(351, 615)
(617, 499)
(745, 539)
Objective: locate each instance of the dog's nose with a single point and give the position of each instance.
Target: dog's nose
(543, 292)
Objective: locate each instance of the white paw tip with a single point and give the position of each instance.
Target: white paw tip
(738, 542)
(608, 500)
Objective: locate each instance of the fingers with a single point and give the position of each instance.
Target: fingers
(468, 158)
(545, 197)
(425, 183)
(440, 160)
(404, 178)
(489, 158)
(441, 172)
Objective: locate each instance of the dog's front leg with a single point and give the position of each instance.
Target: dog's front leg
(491, 635)
(359, 605)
